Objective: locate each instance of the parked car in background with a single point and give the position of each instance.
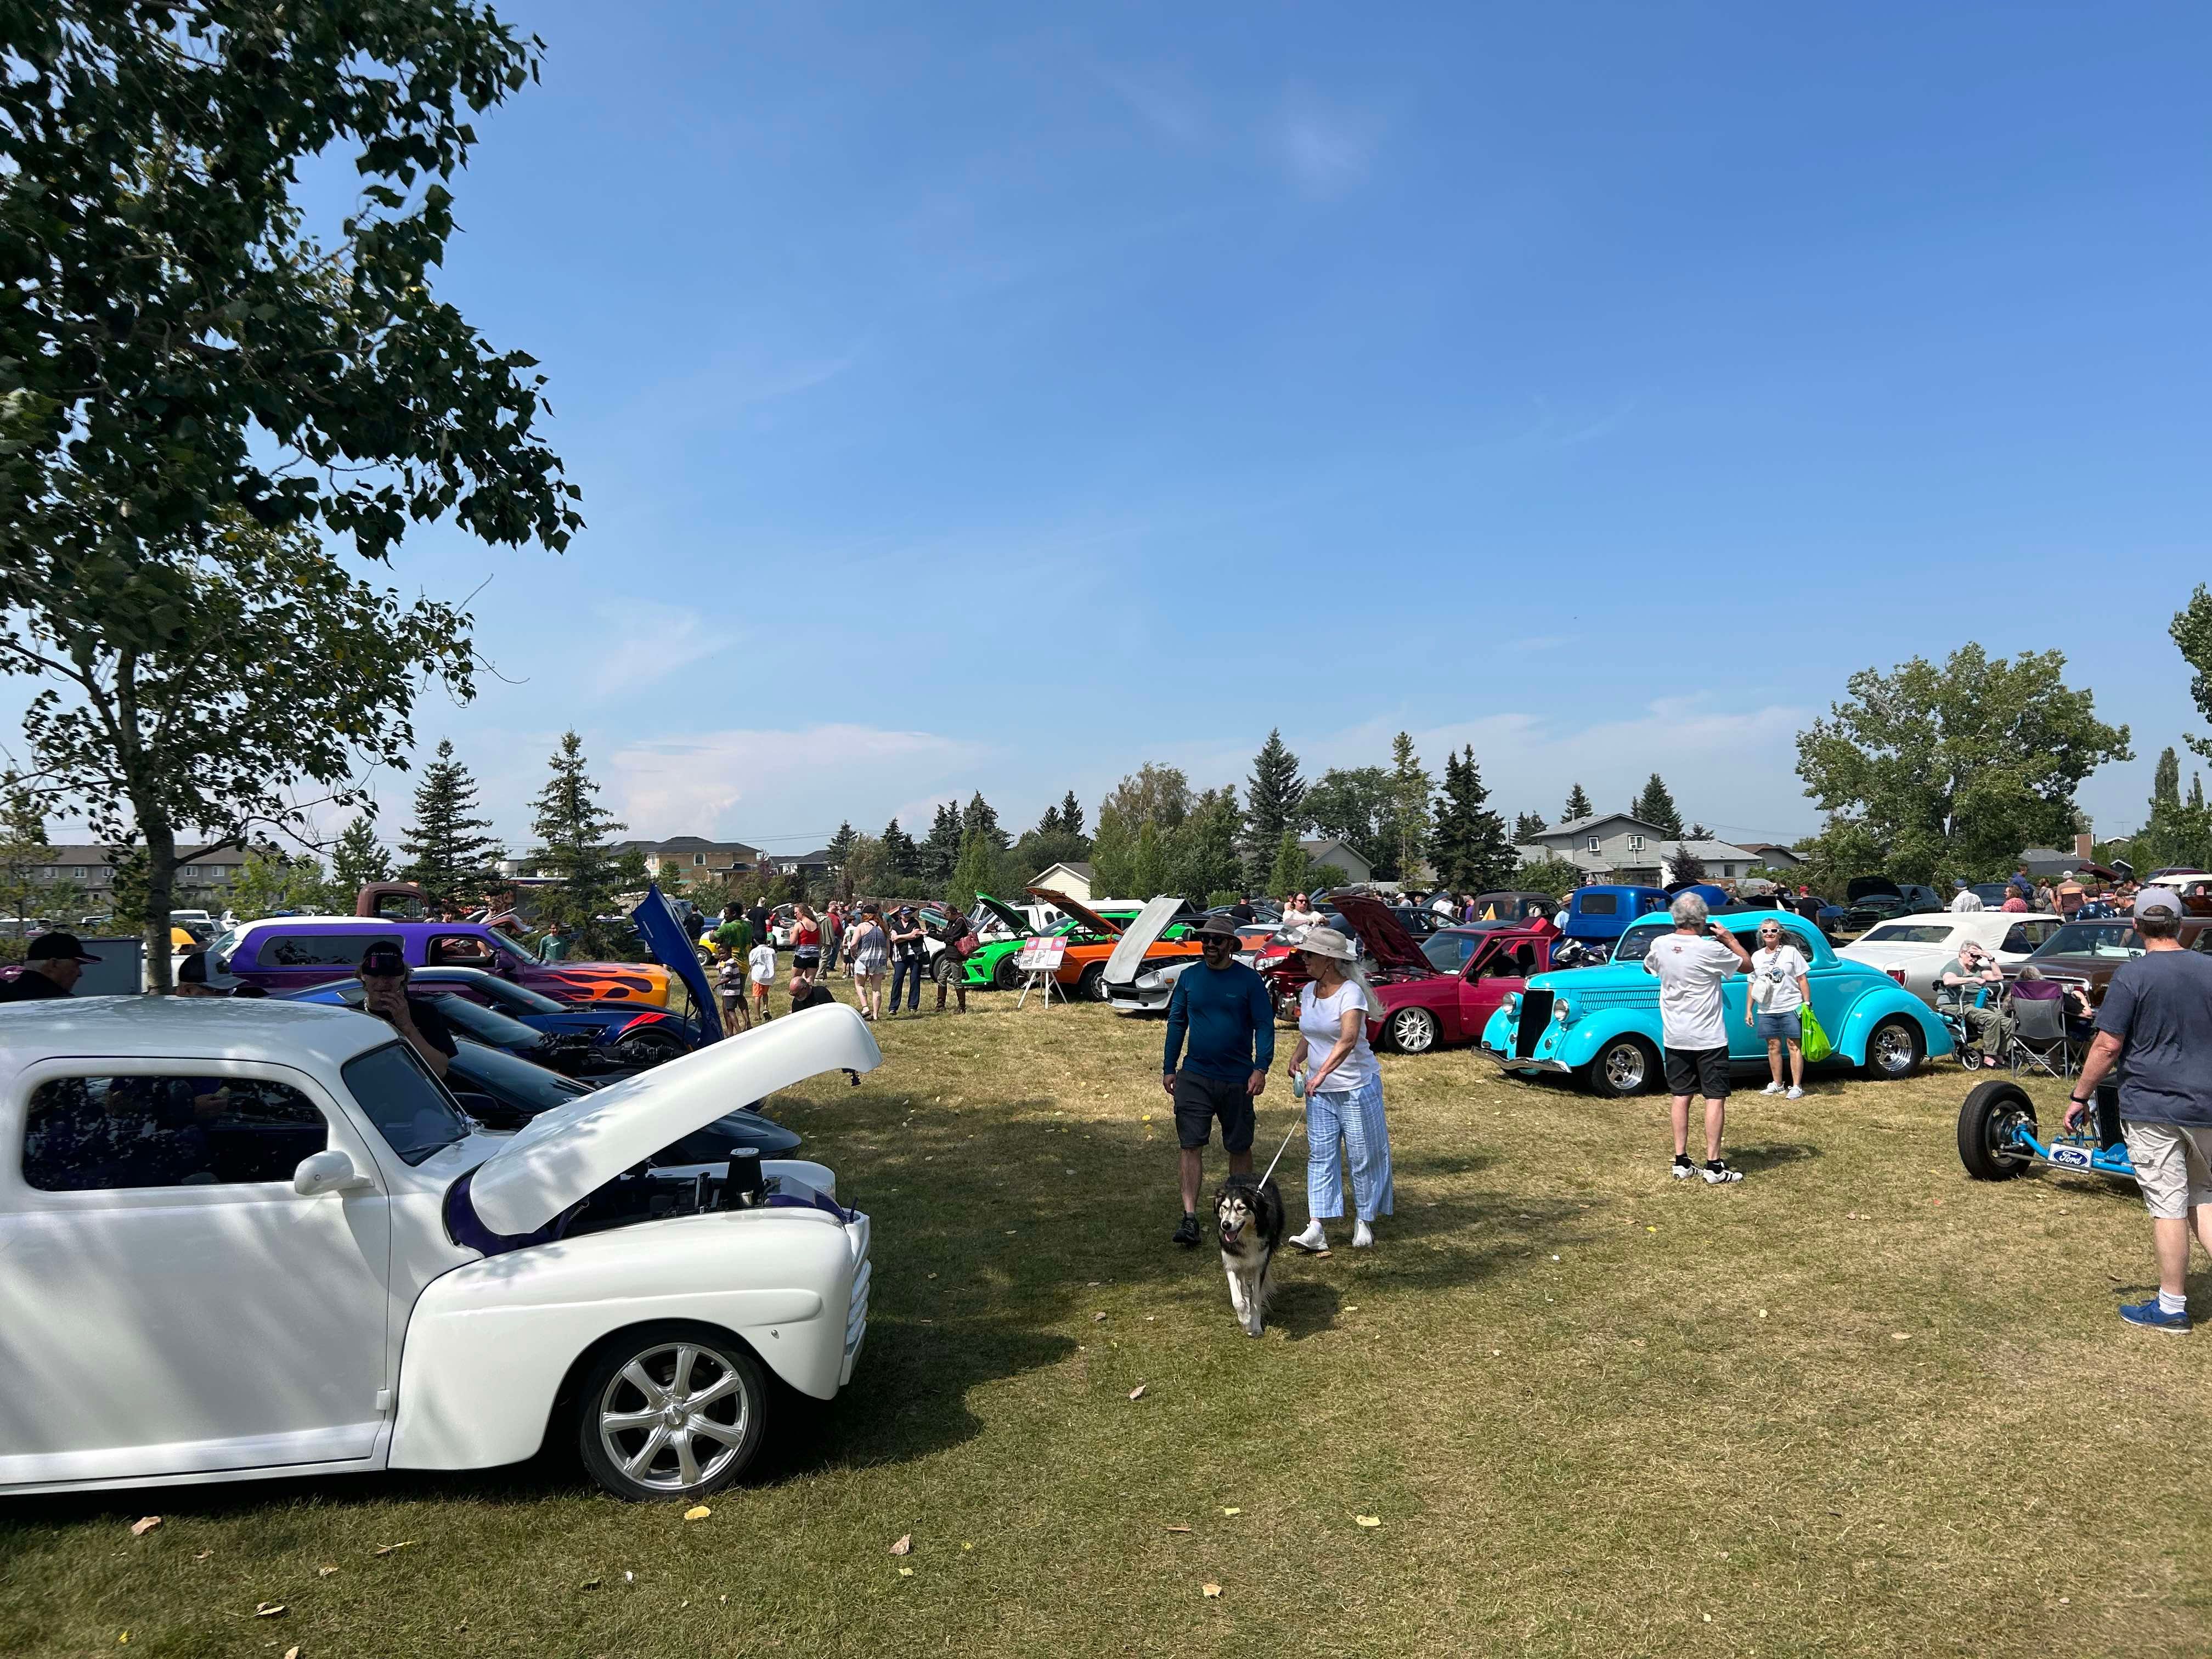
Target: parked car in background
(573, 1053)
(1871, 899)
(1916, 950)
(1424, 1006)
(637, 1036)
(1601, 1025)
(2086, 953)
(227, 1292)
(1091, 937)
(295, 952)
(1516, 906)
(1601, 914)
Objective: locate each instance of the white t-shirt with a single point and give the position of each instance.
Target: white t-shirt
(762, 958)
(1690, 968)
(1774, 976)
(1297, 918)
(1967, 900)
(1320, 1022)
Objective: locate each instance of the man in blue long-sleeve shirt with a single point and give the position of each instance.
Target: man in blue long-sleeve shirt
(1221, 1007)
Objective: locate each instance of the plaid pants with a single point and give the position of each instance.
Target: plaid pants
(1355, 1117)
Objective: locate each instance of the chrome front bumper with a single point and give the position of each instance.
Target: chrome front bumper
(1513, 1063)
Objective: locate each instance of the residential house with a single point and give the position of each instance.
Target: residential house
(1340, 856)
(694, 857)
(203, 878)
(804, 865)
(1613, 846)
(1774, 855)
(1073, 879)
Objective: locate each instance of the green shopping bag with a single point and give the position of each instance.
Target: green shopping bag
(1814, 1042)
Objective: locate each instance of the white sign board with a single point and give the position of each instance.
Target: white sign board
(1042, 955)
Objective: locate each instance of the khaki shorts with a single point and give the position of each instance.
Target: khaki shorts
(2173, 1166)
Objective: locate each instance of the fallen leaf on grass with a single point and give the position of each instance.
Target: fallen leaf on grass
(1137, 1393)
(1762, 1313)
(269, 1610)
(966, 1544)
(391, 1549)
(292, 1653)
(1096, 1318)
(1899, 1336)
(203, 1555)
(589, 1584)
(141, 1527)
(1213, 1592)
(697, 1512)
(1232, 1511)
(1178, 1528)
(905, 1545)
(906, 1572)
(325, 1571)
(1368, 1520)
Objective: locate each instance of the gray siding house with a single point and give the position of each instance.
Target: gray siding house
(1612, 846)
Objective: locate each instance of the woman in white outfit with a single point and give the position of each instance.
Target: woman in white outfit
(1343, 1091)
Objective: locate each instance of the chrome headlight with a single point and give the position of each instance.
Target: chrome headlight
(1563, 1011)
(1512, 1004)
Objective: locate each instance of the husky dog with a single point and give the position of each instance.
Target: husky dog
(1249, 1214)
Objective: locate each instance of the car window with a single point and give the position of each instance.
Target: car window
(2026, 935)
(1912, 932)
(397, 1092)
(503, 994)
(518, 1083)
(457, 950)
(1447, 952)
(484, 1024)
(2116, 939)
(1636, 943)
(111, 1133)
(1599, 904)
(285, 948)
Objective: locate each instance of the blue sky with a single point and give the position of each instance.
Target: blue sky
(966, 397)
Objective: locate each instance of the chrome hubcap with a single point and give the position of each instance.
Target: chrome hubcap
(1892, 1049)
(1410, 1031)
(1624, 1067)
(674, 1417)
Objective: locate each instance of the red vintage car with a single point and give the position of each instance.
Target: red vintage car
(1423, 1006)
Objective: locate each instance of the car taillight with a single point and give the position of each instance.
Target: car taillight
(1896, 971)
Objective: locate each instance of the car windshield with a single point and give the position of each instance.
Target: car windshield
(1908, 932)
(485, 1025)
(404, 1101)
(511, 942)
(515, 1082)
(2115, 940)
(515, 998)
(1447, 952)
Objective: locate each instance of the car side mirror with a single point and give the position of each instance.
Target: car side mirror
(327, 1171)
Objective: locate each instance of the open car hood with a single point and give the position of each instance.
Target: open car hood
(1007, 915)
(1144, 933)
(1859, 887)
(1082, 912)
(567, 1153)
(1382, 933)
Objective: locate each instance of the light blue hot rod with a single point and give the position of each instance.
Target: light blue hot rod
(1601, 1024)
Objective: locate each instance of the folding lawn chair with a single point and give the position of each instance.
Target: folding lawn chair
(2039, 1040)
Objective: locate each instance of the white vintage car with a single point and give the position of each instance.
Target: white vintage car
(1916, 950)
(249, 1238)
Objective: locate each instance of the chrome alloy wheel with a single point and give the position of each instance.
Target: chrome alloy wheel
(674, 1417)
(1413, 1030)
(1893, 1050)
(1625, 1067)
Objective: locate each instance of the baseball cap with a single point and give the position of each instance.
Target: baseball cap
(192, 969)
(383, 957)
(2158, 898)
(1958, 881)
(57, 947)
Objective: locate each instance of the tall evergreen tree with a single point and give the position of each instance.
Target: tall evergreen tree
(1579, 806)
(2165, 782)
(841, 844)
(358, 859)
(902, 858)
(1528, 826)
(940, 850)
(2196, 791)
(1274, 801)
(1410, 785)
(979, 817)
(1469, 845)
(573, 832)
(447, 856)
(1070, 814)
(1050, 824)
(1655, 806)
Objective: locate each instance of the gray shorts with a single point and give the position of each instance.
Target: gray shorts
(2174, 1165)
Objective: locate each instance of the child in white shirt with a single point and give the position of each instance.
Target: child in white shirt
(762, 963)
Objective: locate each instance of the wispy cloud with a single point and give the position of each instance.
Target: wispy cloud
(1327, 149)
(648, 642)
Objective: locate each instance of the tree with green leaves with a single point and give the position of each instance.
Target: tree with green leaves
(575, 837)
(1552, 874)
(1149, 868)
(1578, 807)
(979, 817)
(1286, 871)
(1070, 814)
(1113, 855)
(841, 844)
(1153, 795)
(278, 672)
(1410, 788)
(1049, 824)
(1684, 864)
(1274, 801)
(268, 880)
(358, 858)
(2191, 631)
(902, 858)
(1958, 765)
(1528, 826)
(24, 851)
(942, 848)
(971, 871)
(2175, 832)
(1357, 805)
(448, 856)
(1469, 845)
(1201, 851)
(1655, 806)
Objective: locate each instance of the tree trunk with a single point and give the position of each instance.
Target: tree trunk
(160, 889)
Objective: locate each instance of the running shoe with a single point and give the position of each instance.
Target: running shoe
(1717, 1173)
(2152, 1317)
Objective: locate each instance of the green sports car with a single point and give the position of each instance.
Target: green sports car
(994, 965)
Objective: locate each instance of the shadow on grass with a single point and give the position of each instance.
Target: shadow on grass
(1754, 1159)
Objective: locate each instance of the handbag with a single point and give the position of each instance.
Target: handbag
(1813, 1042)
(966, 947)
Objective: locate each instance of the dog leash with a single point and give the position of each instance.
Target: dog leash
(1299, 1124)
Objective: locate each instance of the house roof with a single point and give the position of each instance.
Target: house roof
(1081, 869)
(1582, 826)
(78, 851)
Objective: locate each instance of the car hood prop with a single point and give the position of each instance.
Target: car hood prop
(1144, 933)
(569, 1153)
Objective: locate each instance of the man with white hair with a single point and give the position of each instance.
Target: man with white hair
(1691, 964)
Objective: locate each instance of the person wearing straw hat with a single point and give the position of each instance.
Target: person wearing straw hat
(1222, 1006)
(1343, 1091)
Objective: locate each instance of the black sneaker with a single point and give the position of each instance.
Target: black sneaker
(1186, 1232)
(1717, 1173)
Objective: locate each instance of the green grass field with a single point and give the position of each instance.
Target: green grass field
(1856, 1405)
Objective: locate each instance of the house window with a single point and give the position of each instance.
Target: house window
(192, 872)
(1635, 844)
(697, 860)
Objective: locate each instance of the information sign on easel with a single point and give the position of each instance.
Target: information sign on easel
(1038, 963)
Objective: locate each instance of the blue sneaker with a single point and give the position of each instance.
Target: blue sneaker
(2152, 1317)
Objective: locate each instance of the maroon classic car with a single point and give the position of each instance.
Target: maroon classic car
(1423, 1006)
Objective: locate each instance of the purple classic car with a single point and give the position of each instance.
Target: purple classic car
(291, 953)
